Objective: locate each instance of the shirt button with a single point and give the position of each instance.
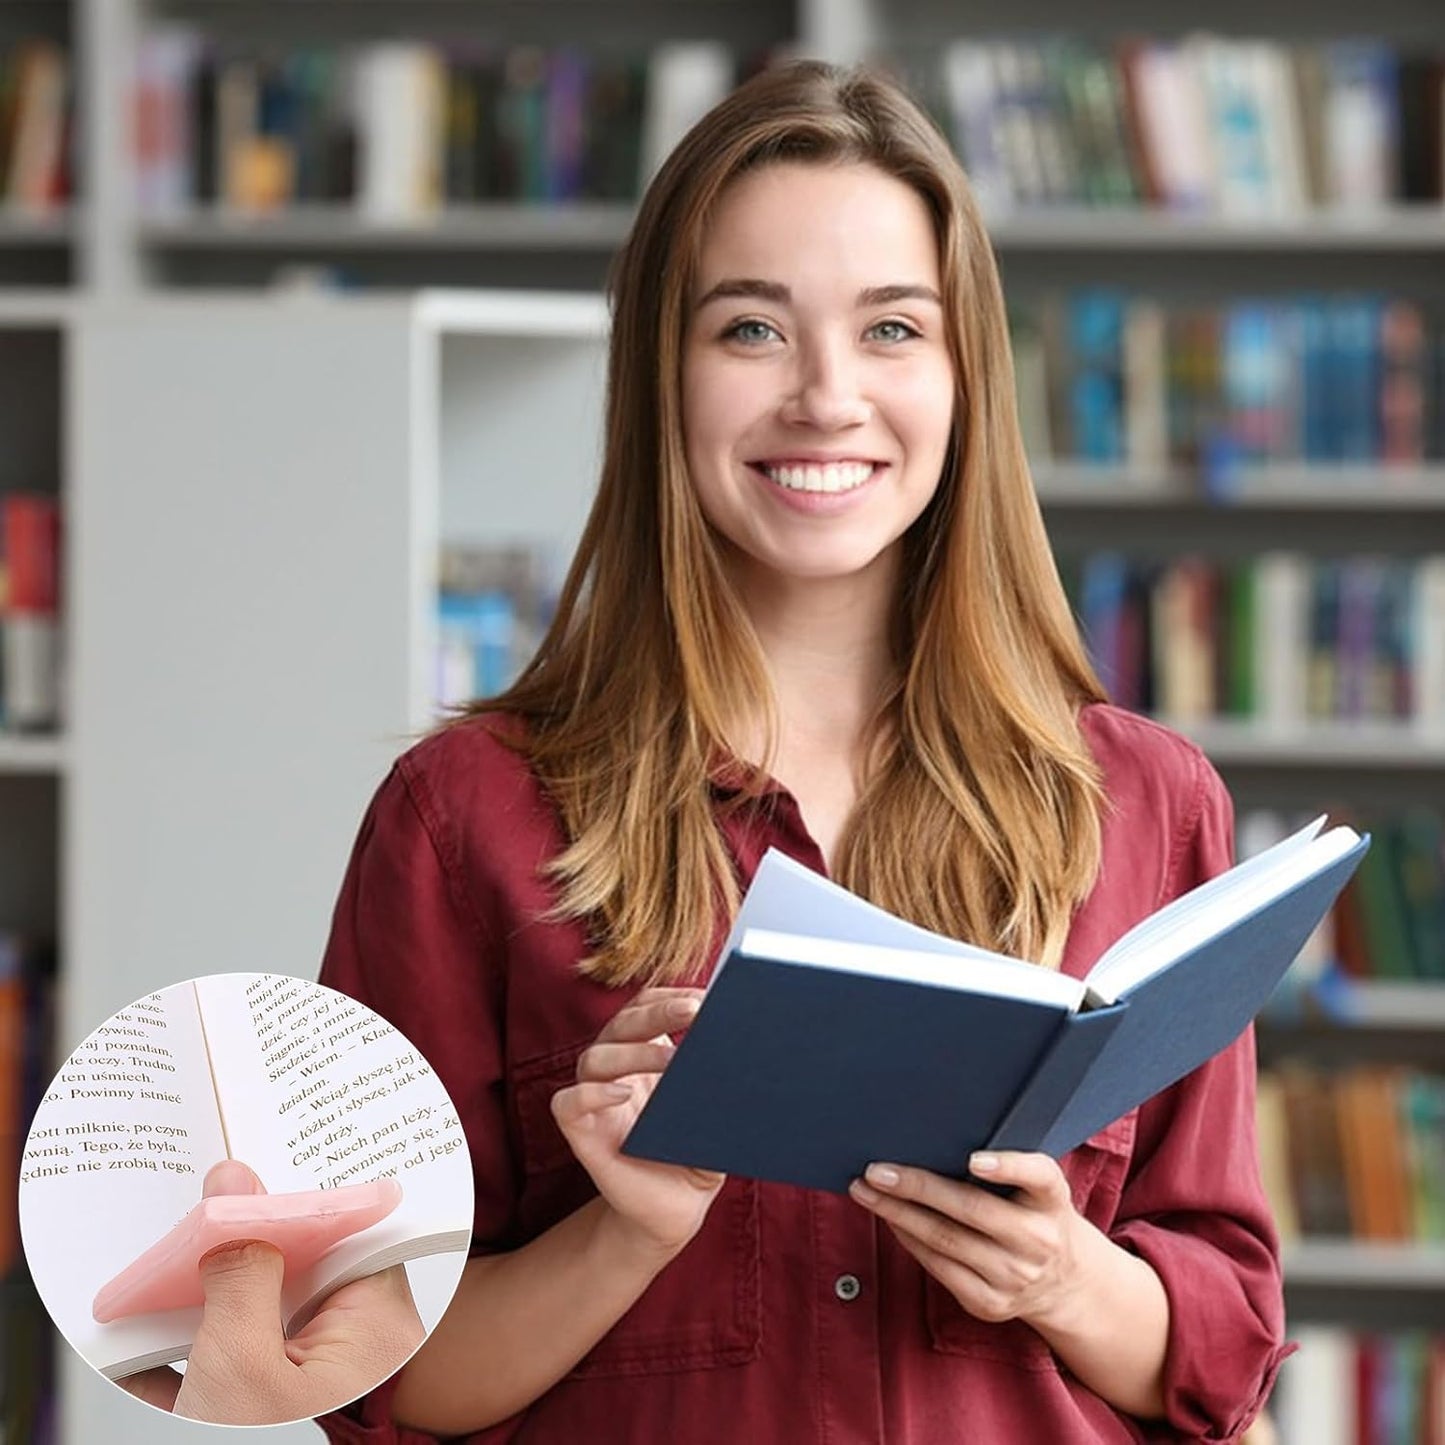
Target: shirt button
(847, 1287)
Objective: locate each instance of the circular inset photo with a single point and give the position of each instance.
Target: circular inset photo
(258, 1144)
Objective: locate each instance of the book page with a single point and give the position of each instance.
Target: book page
(318, 1092)
(979, 975)
(786, 897)
(115, 1158)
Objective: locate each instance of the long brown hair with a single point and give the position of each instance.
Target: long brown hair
(979, 815)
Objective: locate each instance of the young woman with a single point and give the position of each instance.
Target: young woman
(814, 608)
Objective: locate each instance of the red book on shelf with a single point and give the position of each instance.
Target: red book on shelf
(1402, 383)
(30, 547)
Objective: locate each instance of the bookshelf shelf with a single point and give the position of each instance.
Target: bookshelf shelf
(1354, 1264)
(1317, 746)
(21, 308)
(20, 227)
(596, 226)
(519, 313)
(1306, 488)
(602, 225)
(32, 755)
(1393, 1006)
(1392, 229)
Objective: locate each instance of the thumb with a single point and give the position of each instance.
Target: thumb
(241, 1279)
(242, 1284)
(230, 1176)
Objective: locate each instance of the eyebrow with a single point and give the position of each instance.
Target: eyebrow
(776, 292)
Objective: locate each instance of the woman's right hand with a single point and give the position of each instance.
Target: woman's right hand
(661, 1205)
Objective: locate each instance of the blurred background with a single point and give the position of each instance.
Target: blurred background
(301, 348)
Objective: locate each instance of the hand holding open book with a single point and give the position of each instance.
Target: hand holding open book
(834, 1034)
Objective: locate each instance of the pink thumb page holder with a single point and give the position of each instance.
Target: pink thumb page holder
(302, 1226)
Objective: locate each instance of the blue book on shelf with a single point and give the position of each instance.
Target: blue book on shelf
(834, 1034)
(1096, 396)
(1356, 393)
(1316, 379)
(1103, 595)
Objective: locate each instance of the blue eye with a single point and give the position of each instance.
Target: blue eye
(751, 333)
(892, 331)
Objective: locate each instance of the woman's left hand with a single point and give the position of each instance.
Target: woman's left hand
(1000, 1258)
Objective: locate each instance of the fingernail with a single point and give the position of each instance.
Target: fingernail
(983, 1163)
(683, 1008)
(617, 1091)
(862, 1193)
(883, 1175)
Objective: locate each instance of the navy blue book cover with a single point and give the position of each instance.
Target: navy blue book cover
(804, 1074)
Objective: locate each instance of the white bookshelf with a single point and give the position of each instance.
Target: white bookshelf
(258, 488)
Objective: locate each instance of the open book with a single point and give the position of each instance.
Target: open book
(308, 1087)
(834, 1034)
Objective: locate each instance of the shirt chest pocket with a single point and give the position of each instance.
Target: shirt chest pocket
(705, 1308)
(1096, 1171)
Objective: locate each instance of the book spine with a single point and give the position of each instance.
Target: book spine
(1034, 1119)
(30, 612)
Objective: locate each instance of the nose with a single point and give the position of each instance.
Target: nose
(827, 391)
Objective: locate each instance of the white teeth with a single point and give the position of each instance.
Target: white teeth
(835, 477)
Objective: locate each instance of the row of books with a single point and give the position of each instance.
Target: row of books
(1108, 377)
(1206, 123)
(27, 1034)
(35, 126)
(1203, 124)
(493, 606)
(30, 633)
(1388, 925)
(1356, 1154)
(1281, 639)
(1347, 1387)
(402, 128)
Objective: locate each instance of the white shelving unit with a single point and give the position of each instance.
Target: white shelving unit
(258, 489)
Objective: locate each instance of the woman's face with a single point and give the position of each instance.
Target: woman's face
(818, 389)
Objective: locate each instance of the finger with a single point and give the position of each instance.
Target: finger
(613, 1061)
(642, 1020)
(967, 1284)
(1039, 1177)
(242, 1286)
(952, 1198)
(230, 1176)
(574, 1103)
(370, 1324)
(942, 1233)
(157, 1387)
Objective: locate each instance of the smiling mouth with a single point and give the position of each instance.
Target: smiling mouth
(831, 477)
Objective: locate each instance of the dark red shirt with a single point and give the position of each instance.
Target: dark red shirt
(747, 1336)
